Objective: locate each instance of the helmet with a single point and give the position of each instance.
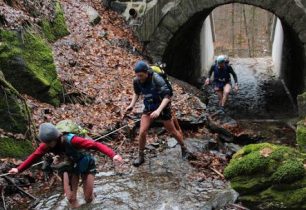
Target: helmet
(221, 59)
(48, 133)
(141, 66)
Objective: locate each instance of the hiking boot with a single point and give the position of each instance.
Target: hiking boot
(187, 155)
(140, 160)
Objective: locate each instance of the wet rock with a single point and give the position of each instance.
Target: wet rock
(150, 147)
(212, 144)
(224, 197)
(118, 6)
(75, 47)
(93, 15)
(72, 63)
(196, 145)
(103, 34)
(172, 142)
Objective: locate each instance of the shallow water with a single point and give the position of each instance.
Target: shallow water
(162, 183)
(261, 94)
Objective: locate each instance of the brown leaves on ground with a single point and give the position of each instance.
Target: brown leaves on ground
(265, 152)
(103, 70)
(209, 165)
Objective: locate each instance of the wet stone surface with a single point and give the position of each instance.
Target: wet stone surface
(163, 182)
(261, 95)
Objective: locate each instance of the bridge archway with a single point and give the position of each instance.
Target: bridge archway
(175, 36)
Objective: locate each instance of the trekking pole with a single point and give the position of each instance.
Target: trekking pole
(2, 175)
(115, 131)
(36, 164)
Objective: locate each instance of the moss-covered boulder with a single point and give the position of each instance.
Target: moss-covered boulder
(269, 176)
(301, 136)
(12, 109)
(27, 62)
(15, 148)
(55, 28)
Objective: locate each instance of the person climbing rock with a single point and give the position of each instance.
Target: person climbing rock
(222, 71)
(157, 96)
(82, 164)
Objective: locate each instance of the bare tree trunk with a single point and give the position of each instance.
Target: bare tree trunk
(233, 29)
(253, 31)
(246, 30)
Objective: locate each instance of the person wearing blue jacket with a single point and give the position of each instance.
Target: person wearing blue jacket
(157, 106)
(222, 71)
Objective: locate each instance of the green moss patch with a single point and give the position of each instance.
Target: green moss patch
(27, 62)
(301, 136)
(15, 148)
(57, 27)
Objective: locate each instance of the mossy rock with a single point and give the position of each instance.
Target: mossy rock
(265, 175)
(57, 27)
(15, 148)
(27, 62)
(12, 110)
(249, 185)
(301, 136)
(276, 199)
(289, 171)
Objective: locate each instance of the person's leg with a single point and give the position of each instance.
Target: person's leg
(220, 95)
(169, 125)
(144, 126)
(226, 92)
(177, 125)
(71, 189)
(88, 184)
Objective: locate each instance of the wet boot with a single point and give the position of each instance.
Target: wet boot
(139, 160)
(187, 155)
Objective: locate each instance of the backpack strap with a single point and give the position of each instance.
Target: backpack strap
(68, 137)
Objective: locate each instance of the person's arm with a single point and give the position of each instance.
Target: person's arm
(210, 71)
(134, 100)
(209, 75)
(136, 94)
(34, 157)
(233, 73)
(80, 142)
(165, 94)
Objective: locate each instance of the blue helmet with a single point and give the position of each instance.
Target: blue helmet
(141, 66)
(221, 59)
